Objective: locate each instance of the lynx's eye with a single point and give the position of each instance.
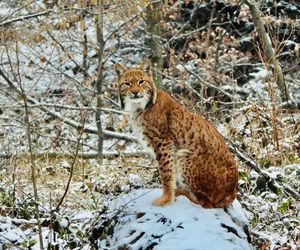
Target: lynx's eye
(141, 82)
(127, 84)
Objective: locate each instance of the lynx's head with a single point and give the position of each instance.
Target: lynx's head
(137, 90)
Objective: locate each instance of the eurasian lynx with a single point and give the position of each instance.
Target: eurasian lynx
(193, 158)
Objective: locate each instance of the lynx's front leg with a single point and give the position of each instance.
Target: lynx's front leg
(165, 158)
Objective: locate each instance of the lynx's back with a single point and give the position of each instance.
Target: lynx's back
(193, 157)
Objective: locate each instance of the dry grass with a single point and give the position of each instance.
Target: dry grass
(93, 182)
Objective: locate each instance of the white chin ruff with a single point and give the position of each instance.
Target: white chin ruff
(132, 105)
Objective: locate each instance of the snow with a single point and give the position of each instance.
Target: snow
(64, 222)
(181, 225)
(82, 215)
(133, 178)
(12, 236)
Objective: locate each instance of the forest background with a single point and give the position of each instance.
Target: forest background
(65, 145)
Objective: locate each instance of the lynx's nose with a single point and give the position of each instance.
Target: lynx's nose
(135, 93)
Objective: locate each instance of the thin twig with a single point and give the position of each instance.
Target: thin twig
(72, 165)
(208, 84)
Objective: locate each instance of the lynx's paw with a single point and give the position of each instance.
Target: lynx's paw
(163, 201)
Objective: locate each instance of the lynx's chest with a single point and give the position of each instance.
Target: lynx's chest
(138, 131)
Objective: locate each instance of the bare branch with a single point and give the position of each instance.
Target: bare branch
(253, 165)
(106, 155)
(61, 106)
(70, 122)
(22, 18)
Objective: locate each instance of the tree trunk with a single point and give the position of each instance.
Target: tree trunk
(100, 41)
(268, 51)
(154, 16)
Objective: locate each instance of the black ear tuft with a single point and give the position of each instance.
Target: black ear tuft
(120, 69)
(146, 66)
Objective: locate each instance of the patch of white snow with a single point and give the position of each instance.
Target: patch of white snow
(180, 225)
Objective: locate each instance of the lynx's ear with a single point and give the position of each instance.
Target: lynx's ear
(120, 69)
(146, 66)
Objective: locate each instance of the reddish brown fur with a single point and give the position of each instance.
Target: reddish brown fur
(193, 158)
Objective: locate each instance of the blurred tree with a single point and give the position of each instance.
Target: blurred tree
(153, 21)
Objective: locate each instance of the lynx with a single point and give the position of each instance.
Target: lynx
(193, 158)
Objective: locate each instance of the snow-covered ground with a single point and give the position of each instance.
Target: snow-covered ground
(141, 225)
(130, 220)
